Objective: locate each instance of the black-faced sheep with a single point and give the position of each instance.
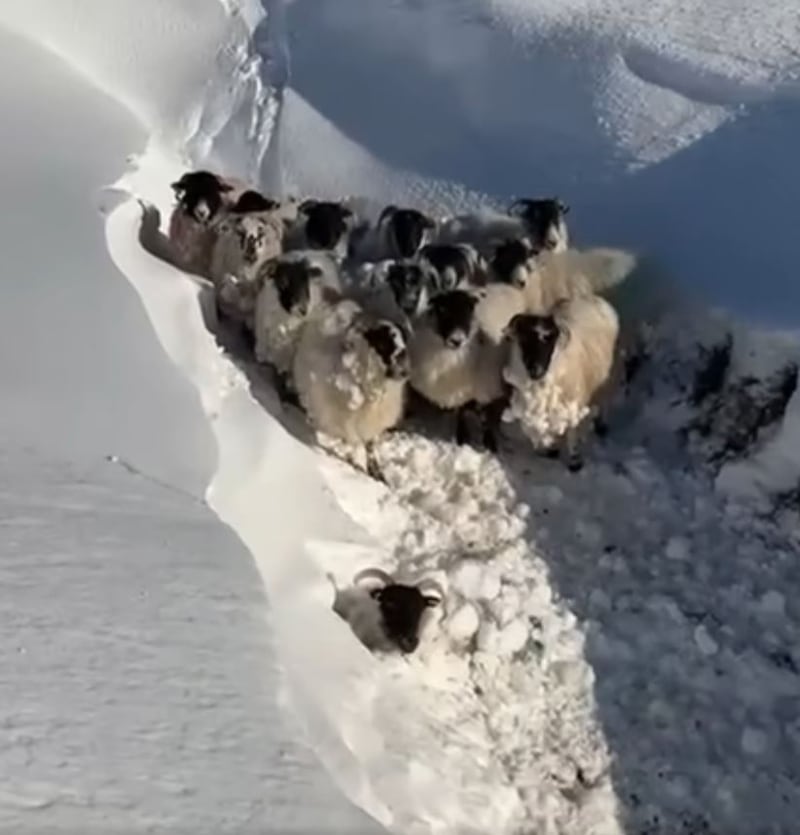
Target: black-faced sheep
(201, 197)
(291, 288)
(350, 372)
(321, 224)
(455, 265)
(541, 221)
(397, 290)
(458, 352)
(562, 368)
(386, 615)
(548, 277)
(399, 233)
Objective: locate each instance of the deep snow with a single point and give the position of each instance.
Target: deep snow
(618, 648)
(138, 664)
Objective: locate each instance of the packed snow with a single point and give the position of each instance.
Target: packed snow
(616, 652)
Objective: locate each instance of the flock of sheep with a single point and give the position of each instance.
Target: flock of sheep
(486, 316)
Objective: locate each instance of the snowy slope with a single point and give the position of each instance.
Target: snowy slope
(618, 652)
(138, 665)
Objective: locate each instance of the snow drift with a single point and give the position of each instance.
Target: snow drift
(599, 653)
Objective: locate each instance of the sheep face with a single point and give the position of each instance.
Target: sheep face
(326, 223)
(408, 286)
(254, 237)
(408, 229)
(453, 317)
(292, 281)
(252, 201)
(199, 194)
(451, 262)
(536, 338)
(544, 220)
(512, 262)
(390, 344)
(402, 608)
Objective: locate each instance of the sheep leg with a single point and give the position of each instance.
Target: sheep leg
(462, 425)
(572, 450)
(492, 415)
(285, 389)
(373, 466)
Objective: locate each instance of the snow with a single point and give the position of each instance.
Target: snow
(616, 650)
(139, 662)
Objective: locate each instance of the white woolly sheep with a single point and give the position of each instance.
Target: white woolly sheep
(291, 288)
(458, 352)
(561, 368)
(399, 233)
(542, 221)
(386, 615)
(350, 373)
(246, 239)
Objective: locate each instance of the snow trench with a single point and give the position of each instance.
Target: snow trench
(618, 650)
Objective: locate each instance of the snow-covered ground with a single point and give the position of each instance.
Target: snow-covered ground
(619, 647)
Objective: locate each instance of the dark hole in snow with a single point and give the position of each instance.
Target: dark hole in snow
(710, 377)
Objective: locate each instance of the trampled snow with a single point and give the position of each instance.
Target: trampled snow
(617, 648)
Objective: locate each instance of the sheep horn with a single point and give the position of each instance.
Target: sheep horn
(387, 212)
(433, 585)
(522, 203)
(373, 574)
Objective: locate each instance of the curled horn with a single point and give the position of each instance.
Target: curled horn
(372, 574)
(432, 585)
(386, 213)
(519, 206)
(307, 204)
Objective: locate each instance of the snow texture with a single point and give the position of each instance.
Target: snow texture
(617, 649)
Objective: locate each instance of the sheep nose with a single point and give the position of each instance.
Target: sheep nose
(455, 340)
(408, 643)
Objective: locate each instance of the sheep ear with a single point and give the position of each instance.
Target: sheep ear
(563, 207)
(307, 205)
(346, 211)
(432, 600)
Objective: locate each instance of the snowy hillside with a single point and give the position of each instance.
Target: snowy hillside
(619, 647)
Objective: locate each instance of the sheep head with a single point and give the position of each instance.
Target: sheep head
(544, 219)
(402, 606)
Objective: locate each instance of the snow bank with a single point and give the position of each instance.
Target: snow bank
(138, 666)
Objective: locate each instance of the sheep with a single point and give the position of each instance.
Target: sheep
(455, 265)
(350, 372)
(201, 197)
(457, 351)
(542, 221)
(398, 233)
(561, 368)
(248, 235)
(547, 277)
(396, 290)
(386, 615)
(321, 224)
(291, 287)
